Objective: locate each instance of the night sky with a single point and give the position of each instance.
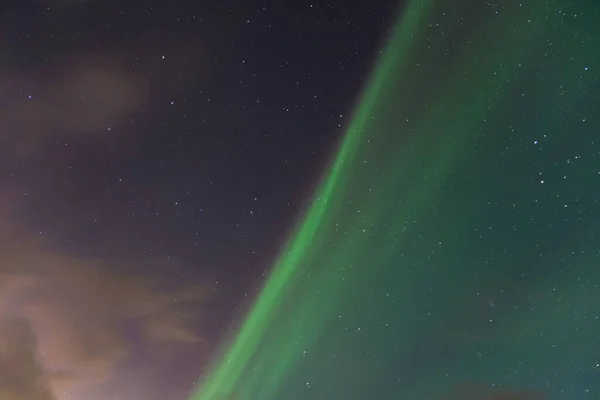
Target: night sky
(232, 200)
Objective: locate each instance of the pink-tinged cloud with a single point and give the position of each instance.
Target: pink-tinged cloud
(84, 98)
(73, 314)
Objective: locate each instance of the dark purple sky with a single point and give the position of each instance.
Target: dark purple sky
(151, 150)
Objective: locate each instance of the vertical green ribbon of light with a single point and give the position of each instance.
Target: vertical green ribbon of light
(235, 362)
(411, 131)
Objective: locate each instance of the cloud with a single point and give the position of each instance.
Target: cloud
(473, 391)
(21, 375)
(88, 318)
(81, 98)
(79, 315)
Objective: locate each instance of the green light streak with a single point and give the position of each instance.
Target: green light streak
(391, 194)
(295, 256)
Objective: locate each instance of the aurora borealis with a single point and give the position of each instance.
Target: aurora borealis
(299, 200)
(454, 238)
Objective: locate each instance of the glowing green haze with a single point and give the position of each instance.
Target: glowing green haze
(453, 238)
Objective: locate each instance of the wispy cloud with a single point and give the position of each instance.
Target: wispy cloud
(68, 319)
(21, 375)
(83, 97)
(86, 318)
(476, 391)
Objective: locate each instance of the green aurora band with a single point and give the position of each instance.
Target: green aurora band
(453, 239)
